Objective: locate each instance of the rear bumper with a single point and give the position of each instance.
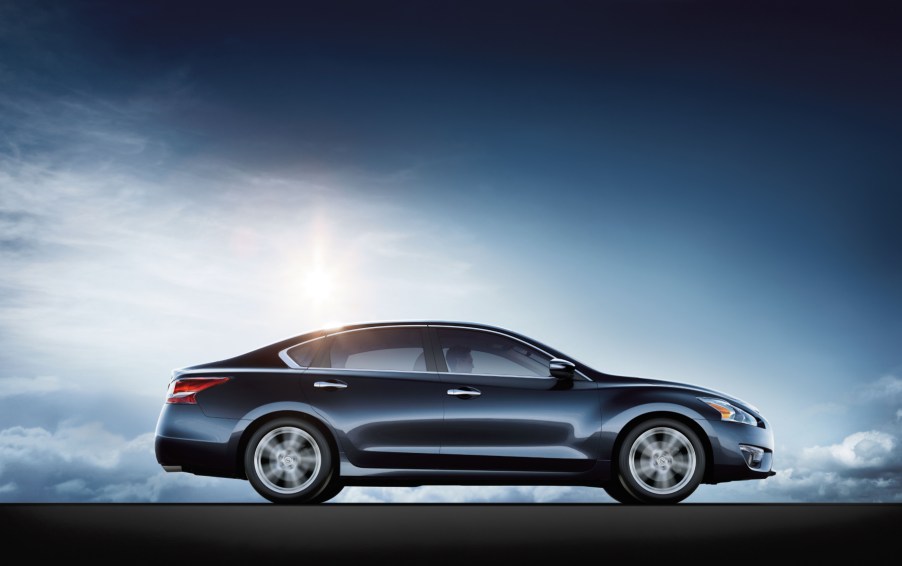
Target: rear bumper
(189, 441)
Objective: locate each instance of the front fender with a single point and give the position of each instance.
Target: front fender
(621, 407)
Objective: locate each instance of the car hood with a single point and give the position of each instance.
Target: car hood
(696, 389)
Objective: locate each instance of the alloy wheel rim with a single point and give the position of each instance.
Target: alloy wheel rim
(662, 460)
(287, 460)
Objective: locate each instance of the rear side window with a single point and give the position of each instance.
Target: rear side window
(304, 354)
(395, 349)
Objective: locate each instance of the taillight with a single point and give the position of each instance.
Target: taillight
(184, 391)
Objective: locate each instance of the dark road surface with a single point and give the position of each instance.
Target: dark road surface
(452, 534)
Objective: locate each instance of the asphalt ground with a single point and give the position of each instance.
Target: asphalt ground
(435, 534)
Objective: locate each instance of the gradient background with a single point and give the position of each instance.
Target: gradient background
(697, 191)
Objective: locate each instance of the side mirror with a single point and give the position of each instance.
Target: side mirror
(561, 369)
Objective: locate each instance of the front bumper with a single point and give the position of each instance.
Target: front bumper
(727, 460)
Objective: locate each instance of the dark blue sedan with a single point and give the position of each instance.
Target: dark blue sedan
(415, 403)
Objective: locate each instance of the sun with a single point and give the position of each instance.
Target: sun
(318, 284)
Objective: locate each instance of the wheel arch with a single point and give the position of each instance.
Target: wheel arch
(262, 420)
(679, 417)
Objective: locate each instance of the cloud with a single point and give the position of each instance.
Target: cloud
(88, 444)
(89, 463)
(887, 389)
(808, 486)
(13, 386)
(864, 466)
(107, 261)
(861, 450)
(473, 494)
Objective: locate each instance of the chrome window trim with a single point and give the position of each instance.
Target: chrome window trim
(291, 363)
(375, 328)
(500, 375)
(533, 346)
(180, 372)
(316, 369)
(287, 359)
(550, 377)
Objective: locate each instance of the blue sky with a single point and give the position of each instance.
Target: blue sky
(683, 190)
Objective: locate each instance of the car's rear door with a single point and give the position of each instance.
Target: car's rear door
(503, 410)
(379, 390)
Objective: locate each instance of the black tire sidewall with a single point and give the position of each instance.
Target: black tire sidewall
(618, 493)
(636, 489)
(330, 492)
(319, 484)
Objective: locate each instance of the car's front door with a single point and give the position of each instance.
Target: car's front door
(378, 389)
(503, 410)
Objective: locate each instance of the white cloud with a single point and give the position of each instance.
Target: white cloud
(870, 449)
(88, 463)
(864, 467)
(807, 485)
(90, 444)
(887, 388)
(109, 264)
(473, 494)
(178, 487)
(12, 386)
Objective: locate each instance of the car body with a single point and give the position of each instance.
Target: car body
(409, 403)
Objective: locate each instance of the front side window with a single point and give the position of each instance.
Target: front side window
(396, 349)
(476, 351)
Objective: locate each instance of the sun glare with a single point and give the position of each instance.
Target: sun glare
(318, 284)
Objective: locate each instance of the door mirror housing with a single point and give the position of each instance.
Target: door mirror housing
(561, 369)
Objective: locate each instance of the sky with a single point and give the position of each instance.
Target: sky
(706, 192)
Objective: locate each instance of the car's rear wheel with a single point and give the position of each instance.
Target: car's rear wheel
(616, 490)
(660, 461)
(289, 461)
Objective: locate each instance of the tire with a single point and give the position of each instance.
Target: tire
(289, 461)
(332, 490)
(660, 461)
(616, 490)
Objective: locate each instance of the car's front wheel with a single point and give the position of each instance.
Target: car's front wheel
(660, 461)
(289, 461)
(333, 489)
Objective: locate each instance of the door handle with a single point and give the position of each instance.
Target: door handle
(465, 392)
(335, 384)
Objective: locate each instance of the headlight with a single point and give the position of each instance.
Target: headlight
(730, 412)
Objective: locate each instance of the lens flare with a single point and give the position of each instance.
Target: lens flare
(318, 284)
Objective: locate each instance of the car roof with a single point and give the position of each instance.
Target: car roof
(326, 331)
(268, 355)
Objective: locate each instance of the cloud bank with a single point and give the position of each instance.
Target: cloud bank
(87, 463)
